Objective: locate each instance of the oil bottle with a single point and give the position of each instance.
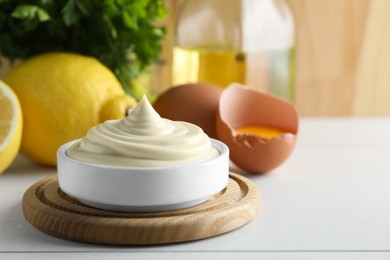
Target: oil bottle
(245, 41)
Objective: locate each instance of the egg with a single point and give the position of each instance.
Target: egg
(259, 129)
(196, 103)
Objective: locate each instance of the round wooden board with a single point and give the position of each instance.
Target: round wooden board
(52, 211)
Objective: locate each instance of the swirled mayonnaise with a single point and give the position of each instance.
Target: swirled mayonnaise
(143, 139)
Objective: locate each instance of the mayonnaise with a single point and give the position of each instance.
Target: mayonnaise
(143, 139)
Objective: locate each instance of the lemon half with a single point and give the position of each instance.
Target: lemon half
(10, 126)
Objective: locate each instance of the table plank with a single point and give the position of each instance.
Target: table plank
(330, 199)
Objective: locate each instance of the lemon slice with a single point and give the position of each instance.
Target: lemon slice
(10, 126)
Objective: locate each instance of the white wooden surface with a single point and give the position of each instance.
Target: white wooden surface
(330, 200)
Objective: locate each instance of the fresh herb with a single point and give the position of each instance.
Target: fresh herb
(122, 34)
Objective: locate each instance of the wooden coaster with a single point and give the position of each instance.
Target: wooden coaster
(52, 211)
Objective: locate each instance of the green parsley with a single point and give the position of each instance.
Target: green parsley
(122, 34)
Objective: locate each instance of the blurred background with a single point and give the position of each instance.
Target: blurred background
(342, 56)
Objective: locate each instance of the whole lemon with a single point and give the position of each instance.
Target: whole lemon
(62, 95)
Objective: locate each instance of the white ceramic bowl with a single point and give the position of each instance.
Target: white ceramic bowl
(139, 189)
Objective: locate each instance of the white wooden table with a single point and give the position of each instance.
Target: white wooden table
(330, 200)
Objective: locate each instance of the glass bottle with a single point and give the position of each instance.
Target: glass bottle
(245, 41)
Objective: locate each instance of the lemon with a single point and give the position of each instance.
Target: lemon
(10, 126)
(116, 108)
(62, 95)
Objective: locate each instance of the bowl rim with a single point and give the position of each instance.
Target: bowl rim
(221, 147)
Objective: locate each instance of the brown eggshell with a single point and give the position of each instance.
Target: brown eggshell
(244, 106)
(196, 103)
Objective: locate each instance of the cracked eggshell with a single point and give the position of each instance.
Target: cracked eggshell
(239, 106)
(196, 103)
